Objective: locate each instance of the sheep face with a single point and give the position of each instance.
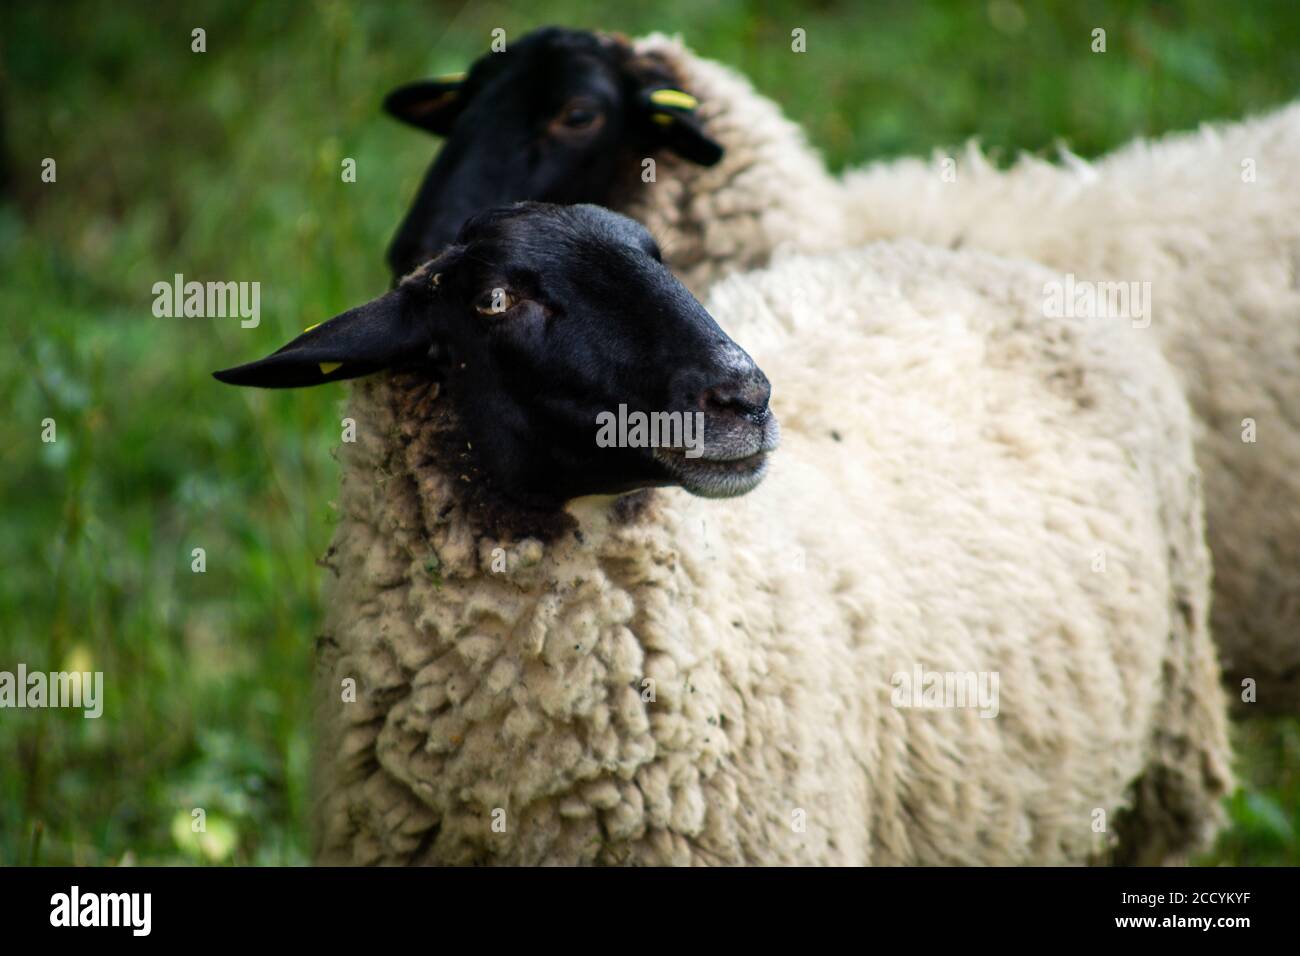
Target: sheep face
(574, 360)
(561, 116)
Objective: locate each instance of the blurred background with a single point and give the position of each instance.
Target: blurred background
(225, 165)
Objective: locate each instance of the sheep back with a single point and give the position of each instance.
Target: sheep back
(1211, 219)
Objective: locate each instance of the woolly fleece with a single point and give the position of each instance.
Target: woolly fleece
(1222, 254)
(944, 491)
(770, 191)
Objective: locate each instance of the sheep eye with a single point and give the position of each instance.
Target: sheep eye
(581, 114)
(494, 302)
(578, 117)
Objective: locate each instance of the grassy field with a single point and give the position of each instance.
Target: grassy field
(225, 165)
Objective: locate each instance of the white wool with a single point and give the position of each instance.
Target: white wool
(770, 191)
(1212, 220)
(706, 682)
(1222, 256)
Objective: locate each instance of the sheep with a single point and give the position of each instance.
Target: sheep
(538, 650)
(1171, 213)
(1211, 219)
(637, 126)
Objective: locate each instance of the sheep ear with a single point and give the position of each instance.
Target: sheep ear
(393, 330)
(672, 113)
(431, 105)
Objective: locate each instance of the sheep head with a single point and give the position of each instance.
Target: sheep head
(576, 363)
(560, 116)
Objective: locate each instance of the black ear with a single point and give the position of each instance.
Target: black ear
(431, 105)
(394, 330)
(673, 119)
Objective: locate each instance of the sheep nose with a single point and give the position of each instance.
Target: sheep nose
(745, 393)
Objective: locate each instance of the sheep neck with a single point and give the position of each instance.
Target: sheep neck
(551, 640)
(769, 189)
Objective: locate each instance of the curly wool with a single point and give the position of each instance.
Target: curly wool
(682, 681)
(1222, 255)
(770, 191)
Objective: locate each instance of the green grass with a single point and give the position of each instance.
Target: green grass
(225, 165)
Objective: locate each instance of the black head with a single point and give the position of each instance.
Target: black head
(561, 116)
(575, 361)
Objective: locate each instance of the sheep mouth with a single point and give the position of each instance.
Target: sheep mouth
(727, 471)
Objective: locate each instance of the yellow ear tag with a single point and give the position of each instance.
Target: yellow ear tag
(327, 367)
(447, 78)
(676, 99)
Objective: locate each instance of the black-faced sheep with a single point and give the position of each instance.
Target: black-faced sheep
(1209, 220)
(961, 619)
(681, 144)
